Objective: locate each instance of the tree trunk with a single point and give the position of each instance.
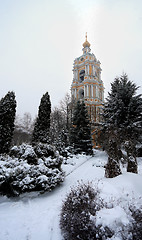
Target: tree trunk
(131, 157)
(112, 167)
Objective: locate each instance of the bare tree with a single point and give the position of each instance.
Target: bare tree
(60, 124)
(27, 122)
(65, 108)
(23, 129)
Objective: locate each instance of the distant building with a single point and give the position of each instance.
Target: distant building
(88, 86)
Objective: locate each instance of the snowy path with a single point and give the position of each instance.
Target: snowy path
(38, 218)
(78, 166)
(33, 217)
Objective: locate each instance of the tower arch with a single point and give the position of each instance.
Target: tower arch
(81, 75)
(81, 93)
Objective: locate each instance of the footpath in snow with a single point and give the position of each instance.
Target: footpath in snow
(33, 217)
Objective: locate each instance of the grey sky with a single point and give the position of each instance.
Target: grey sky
(39, 41)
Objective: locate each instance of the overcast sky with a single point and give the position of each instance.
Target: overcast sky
(39, 40)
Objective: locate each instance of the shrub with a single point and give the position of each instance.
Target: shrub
(137, 222)
(86, 215)
(49, 154)
(78, 214)
(75, 219)
(25, 152)
(24, 171)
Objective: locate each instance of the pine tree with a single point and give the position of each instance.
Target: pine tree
(123, 113)
(7, 117)
(80, 135)
(42, 124)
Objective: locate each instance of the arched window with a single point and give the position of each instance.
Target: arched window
(81, 94)
(81, 75)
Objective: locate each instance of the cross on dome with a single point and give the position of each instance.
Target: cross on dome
(86, 36)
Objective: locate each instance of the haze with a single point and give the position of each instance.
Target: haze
(39, 41)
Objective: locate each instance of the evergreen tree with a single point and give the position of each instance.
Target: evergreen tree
(80, 135)
(7, 117)
(123, 113)
(42, 124)
(123, 109)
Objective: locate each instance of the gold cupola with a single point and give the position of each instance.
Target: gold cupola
(86, 43)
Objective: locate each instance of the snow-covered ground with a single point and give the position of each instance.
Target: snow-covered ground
(36, 217)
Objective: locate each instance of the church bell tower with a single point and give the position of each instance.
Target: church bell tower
(88, 86)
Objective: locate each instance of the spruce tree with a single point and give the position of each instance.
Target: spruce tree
(42, 124)
(123, 109)
(123, 114)
(80, 135)
(7, 117)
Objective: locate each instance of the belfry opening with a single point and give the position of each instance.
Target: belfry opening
(88, 86)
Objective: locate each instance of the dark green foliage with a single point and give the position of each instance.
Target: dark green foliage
(123, 109)
(7, 117)
(80, 135)
(123, 116)
(42, 125)
(29, 169)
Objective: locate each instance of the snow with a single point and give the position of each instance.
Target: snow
(107, 217)
(34, 216)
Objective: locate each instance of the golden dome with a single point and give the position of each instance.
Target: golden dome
(86, 43)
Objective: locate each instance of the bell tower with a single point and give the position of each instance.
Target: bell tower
(88, 86)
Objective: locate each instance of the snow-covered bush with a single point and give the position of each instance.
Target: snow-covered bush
(75, 219)
(137, 222)
(87, 214)
(78, 215)
(24, 151)
(25, 171)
